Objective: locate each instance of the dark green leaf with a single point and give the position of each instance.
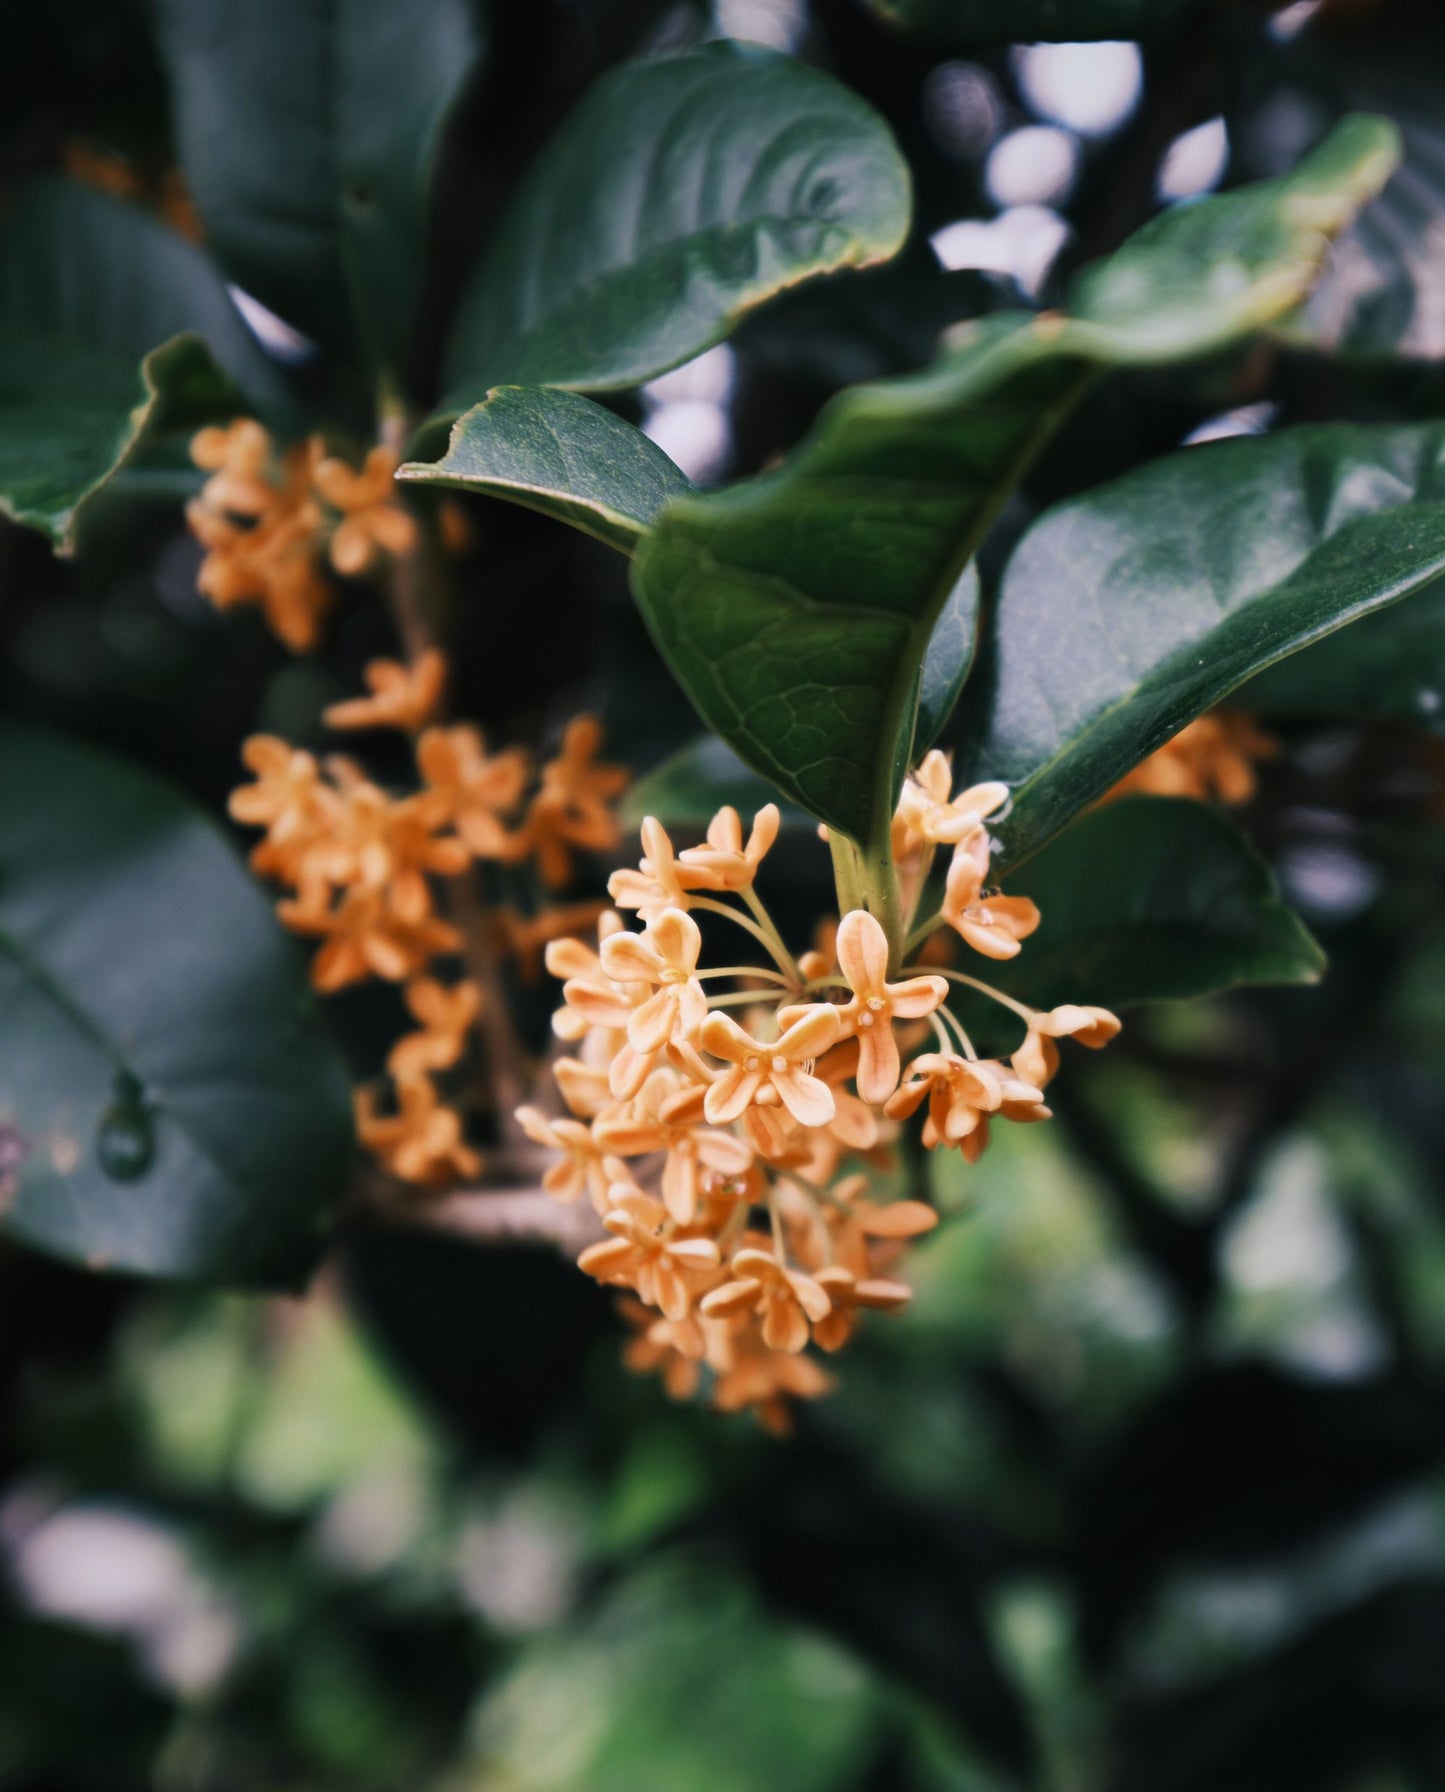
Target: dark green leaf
(1380, 294)
(1151, 899)
(111, 326)
(796, 609)
(1387, 667)
(1126, 612)
(968, 23)
(307, 130)
(683, 193)
(561, 454)
(947, 663)
(168, 1102)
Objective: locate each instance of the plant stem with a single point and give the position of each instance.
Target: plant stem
(865, 878)
(414, 590)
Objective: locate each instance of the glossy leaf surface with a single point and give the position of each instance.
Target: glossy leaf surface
(796, 609)
(1126, 612)
(682, 193)
(559, 453)
(168, 1100)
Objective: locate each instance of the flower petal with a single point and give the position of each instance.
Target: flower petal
(724, 1038)
(784, 1327)
(631, 958)
(731, 1094)
(812, 1298)
(877, 1063)
(807, 1098)
(917, 996)
(651, 1026)
(862, 952)
(676, 939)
(816, 1028)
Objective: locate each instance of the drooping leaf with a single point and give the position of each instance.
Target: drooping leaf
(1126, 612)
(1388, 667)
(682, 193)
(168, 1102)
(111, 326)
(1380, 294)
(307, 130)
(1151, 899)
(562, 454)
(966, 24)
(796, 608)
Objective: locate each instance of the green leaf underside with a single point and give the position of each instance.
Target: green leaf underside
(111, 327)
(795, 609)
(156, 997)
(969, 23)
(681, 194)
(1125, 613)
(559, 453)
(1152, 899)
(1388, 667)
(311, 168)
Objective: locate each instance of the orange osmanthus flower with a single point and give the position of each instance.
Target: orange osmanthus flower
(763, 1072)
(726, 863)
(478, 789)
(749, 1098)
(863, 958)
(787, 1302)
(422, 1142)
(660, 880)
(573, 807)
(405, 697)
(665, 958)
(446, 1015)
(371, 517)
(664, 1270)
(1212, 758)
(993, 925)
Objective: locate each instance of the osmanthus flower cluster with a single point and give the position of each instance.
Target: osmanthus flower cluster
(729, 1122)
(1211, 759)
(271, 519)
(366, 871)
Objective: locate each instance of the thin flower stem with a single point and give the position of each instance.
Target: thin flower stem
(744, 970)
(922, 931)
(987, 989)
(775, 1219)
(775, 948)
(416, 595)
(766, 922)
(806, 1183)
(814, 1189)
(951, 1019)
(737, 998)
(736, 1221)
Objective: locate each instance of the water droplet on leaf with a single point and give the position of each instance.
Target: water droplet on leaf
(125, 1140)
